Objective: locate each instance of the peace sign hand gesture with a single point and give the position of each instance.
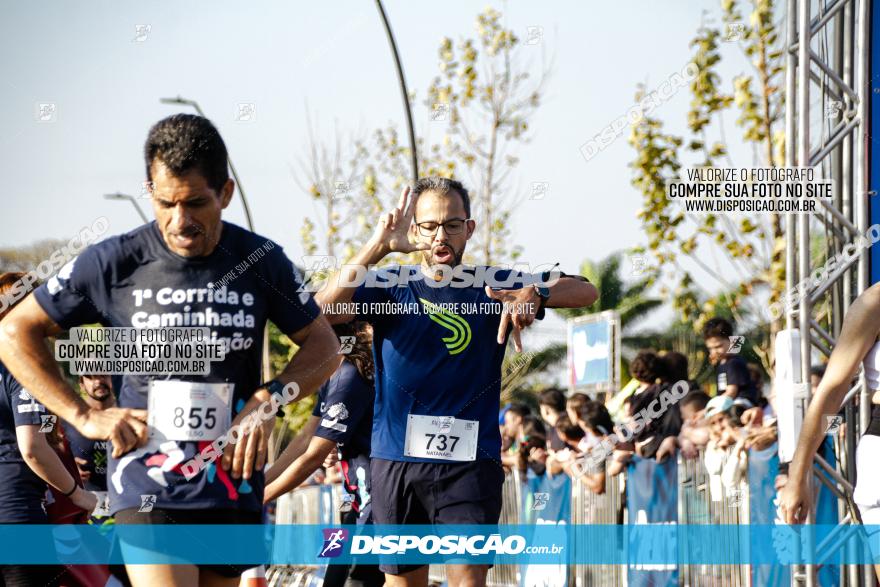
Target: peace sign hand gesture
(392, 231)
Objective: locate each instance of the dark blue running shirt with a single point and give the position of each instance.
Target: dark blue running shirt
(94, 452)
(135, 280)
(345, 407)
(22, 492)
(441, 361)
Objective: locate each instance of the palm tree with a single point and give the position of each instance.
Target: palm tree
(630, 301)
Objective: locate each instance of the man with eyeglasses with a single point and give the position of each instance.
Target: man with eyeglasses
(436, 447)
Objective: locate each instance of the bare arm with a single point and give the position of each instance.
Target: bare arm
(44, 461)
(306, 464)
(731, 390)
(23, 350)
(570, 292)
(860, 329)
(315, 361)
(293, 450)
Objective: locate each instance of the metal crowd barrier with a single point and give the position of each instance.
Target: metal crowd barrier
(591, 508)
(703, 500)
(700, 501)
(315, 504)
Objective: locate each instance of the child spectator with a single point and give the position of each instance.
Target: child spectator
(725, 458)
(694, 433)
(551, 405)
(573, 405)
(732, 374)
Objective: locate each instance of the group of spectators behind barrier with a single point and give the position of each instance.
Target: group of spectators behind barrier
(696, 498)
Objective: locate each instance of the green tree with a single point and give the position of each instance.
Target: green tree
(751, 245)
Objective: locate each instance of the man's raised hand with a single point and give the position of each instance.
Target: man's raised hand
(392, 231)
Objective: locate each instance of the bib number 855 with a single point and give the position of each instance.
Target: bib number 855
(195, 417)
(442, 442)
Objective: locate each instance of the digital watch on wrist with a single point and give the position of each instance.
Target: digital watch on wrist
(544, 294)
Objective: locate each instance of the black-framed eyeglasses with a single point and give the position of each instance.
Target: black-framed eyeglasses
(453, 226)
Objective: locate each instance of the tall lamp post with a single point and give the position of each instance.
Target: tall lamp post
(403, 91)
(122, 197)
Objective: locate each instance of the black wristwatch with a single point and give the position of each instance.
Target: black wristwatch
(544, 294)
(274, 386)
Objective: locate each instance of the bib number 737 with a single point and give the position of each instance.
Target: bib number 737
(441, 437)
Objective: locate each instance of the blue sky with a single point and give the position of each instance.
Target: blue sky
(333, 57)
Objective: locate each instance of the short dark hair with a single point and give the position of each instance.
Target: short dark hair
(646, 367)
(184, 142)
(717, 327)
(576, 400)
(699, 400)
(519, 409)
(675, 367)
(818, 371)
(554, 398)
(442, 185)
(533, 426)
(569, 428)
(596, 415)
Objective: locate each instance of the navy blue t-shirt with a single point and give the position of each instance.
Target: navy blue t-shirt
(734, 371)
(134, 280)
(22, 492)
(434, 358)
(94, 452)
(345, 407)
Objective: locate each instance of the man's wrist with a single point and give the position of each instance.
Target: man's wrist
(374, 251)
(80, 416)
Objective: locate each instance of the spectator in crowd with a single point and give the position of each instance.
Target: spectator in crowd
(511, 432)
(646, 368)
(551, 405)
(694, 433)
(725, 458)
(532, 455)
(591, 470)
(573, 405)
(569, 432)
(658, 438)
(731, 372)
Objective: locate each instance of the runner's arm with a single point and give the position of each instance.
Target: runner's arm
(42, 459)
(23, 350)
(316, 360)
(391, 236)
(313, 364)
(571, 292)
(293, 450)
(333, 293)
(306, 464)
(860, 329)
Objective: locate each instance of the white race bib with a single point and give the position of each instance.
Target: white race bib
(441, 437)
(189, 410)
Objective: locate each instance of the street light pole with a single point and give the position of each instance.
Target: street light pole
(132, 199)
(403, 91)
